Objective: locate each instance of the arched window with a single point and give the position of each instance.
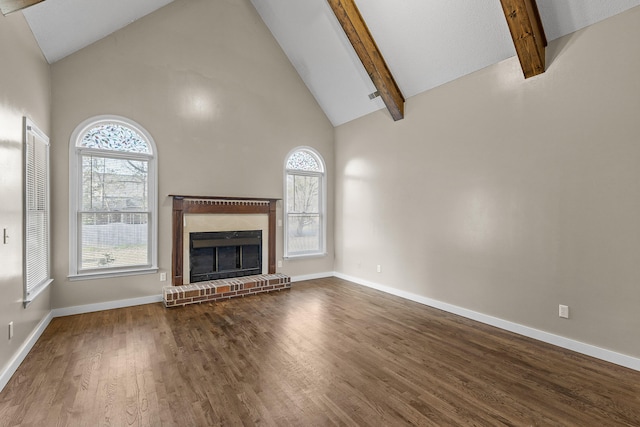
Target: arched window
(113, 199)
(304, 206)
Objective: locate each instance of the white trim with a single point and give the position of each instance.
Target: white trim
(23, 351)
(577, 346)
(322, 205)
(557, 340)
(75, 196)
(110, 305)
(115, 273)
(31, 290)
(28, 299)
(314, 255)
(312, 276)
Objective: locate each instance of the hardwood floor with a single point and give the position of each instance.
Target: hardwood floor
(327, 352)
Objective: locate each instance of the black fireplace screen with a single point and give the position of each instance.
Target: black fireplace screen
(224, 254)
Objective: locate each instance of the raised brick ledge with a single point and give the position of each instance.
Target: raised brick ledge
(221, 289)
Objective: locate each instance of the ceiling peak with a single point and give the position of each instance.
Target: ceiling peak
(365, 46)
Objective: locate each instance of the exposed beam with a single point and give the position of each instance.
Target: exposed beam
(356, 30)
(8, 6)
(527, 33)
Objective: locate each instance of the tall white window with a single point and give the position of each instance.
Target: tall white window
(304, 205)
(113, 199)
(37, 252)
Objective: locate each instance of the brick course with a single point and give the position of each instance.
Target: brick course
(195, 293)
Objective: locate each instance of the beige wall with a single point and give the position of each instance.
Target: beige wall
(222, 102)
(509, 197)
(24, 91)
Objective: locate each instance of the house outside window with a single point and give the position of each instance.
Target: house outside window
(304, 205)
(113, 199)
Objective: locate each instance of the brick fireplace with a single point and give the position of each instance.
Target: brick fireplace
(211, 215)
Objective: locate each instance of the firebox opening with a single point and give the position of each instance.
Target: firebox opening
(224, 254)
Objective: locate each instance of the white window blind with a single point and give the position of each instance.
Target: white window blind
(37, 265)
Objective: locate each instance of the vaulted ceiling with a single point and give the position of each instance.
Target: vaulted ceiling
(425, 43)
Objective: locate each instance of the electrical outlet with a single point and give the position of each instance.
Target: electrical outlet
(10, 330)
(563, 311)
(279, 263)
(163, 276)
(379, 268)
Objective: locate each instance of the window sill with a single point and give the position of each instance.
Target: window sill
(109, 274)
(305, 256)
(35, 292)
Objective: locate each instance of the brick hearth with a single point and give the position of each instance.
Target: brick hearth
(223, 289)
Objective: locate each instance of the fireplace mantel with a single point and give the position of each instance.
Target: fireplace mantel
(218, 205)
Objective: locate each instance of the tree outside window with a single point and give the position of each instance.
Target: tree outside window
(304, 203)
(115, 206)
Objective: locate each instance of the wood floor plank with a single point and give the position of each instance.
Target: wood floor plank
(326, 352)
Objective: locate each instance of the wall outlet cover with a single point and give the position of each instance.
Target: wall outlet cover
(563, 311)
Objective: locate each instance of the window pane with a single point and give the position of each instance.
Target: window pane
(114, 184)
(114, 137)
(303, 194)
(304, 161)
(303, 233)
(112, 240)
(304, 209)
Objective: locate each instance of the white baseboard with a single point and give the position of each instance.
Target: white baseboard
(24, 350)
(89, 308)
(312, 276)
(577, 346)
(557, 340)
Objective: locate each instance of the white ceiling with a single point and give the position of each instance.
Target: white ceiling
(425, 42)
(62, 27)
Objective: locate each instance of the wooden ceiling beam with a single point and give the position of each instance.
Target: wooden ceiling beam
(527, 33)
(358, 34)
(9, 6)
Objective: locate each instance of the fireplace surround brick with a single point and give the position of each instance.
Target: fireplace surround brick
(222, 289)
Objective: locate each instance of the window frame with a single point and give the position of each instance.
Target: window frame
(322, 206)
(76, 154)
(33, 289)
